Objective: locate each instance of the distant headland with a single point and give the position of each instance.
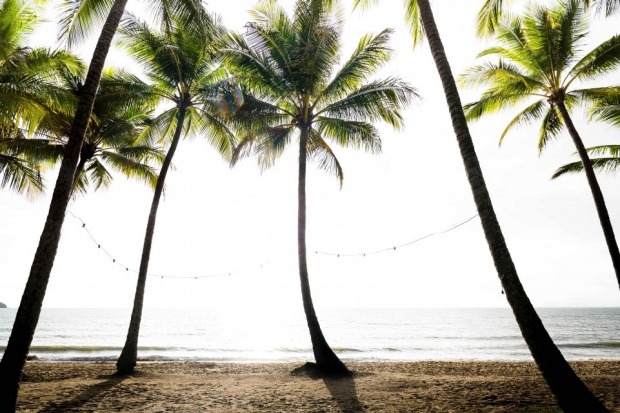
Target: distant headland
(2, 305)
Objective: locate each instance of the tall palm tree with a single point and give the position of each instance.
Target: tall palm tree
(491, 12)
(27, 316)
(180, 61)
(288, 66)
(109, 13)
(29, 88)
(539, 59)
(572, 395)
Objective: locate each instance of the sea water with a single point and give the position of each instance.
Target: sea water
(363, 334)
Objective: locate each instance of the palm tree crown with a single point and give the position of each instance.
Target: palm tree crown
(287, 66)
(120, 114)
(538, 60)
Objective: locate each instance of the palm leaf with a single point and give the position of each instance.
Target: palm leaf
(350, 134)
(549, 129)
(378, 100)
(527, 116)
(319, 151)
(605, 165)
(371, 53)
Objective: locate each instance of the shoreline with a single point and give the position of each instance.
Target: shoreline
(438, 386)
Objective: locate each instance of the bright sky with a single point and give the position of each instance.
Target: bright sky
(216, 220)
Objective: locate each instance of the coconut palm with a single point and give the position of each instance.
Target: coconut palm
(28, 85)
(180, 62)
(491, 12)
(539, 61)
(570, 392)
(287, 64)
(80, 18)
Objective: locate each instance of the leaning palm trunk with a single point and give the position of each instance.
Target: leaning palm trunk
(325, 358)
(572, 395)
(129, 356)
(27, 317)
(597, 194)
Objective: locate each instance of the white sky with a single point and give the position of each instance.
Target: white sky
(217, 220)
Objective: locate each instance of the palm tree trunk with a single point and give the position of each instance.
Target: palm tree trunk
(129, 356)
(572, 395)
(27, 317)
(325, 358)
(597, 194)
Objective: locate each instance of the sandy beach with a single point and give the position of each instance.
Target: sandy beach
(453, 386)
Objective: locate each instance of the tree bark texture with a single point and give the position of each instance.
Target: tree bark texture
(18, 346)
(325, 358)
(129, 355)
(570, 392)
(597, 194)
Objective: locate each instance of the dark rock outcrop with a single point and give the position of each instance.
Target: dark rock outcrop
(2, 305)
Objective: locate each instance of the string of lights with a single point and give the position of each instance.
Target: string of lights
(395, 247)
(230, 273)
(130, 270)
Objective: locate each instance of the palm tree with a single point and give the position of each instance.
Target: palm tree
(287, 66)
(491, 12)
(572, 395)
(180, 61)
(27, 316)
(79, 18)
(29, 88)
(538, 59)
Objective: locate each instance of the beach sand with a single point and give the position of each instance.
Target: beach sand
(429, 386)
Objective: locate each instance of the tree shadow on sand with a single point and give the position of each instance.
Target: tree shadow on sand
(86, 395)
(341, 388)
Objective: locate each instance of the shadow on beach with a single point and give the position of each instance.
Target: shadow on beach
(341, 388)
(86, 395)
(344, 393)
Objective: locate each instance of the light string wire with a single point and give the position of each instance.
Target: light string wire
(127, 269)
(229, 273)
(395, 247)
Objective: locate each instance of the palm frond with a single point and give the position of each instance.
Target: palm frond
(599, 62)
(371, 53)
(130, 167)
(550, 128)
(378, 100)
(350, 134)
(98, 174)
(605, 165)
(79, 18)
(319, 151)
(527, 116)
(20, 176)
(489, 17)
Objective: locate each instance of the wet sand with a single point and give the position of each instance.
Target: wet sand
(429, 386)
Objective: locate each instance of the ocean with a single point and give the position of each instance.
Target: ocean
(364, 334)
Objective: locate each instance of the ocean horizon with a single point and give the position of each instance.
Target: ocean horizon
(362, 334)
